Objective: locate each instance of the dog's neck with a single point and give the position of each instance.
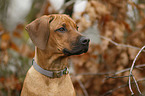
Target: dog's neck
(49, 60)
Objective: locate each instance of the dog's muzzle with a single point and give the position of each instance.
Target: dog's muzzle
(79, 47)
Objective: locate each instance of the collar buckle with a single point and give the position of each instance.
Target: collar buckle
(57, 74)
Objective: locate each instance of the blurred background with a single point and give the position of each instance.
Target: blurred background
(117, 32)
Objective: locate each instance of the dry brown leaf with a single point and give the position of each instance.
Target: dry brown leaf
(86, 23)
(5, 37)
(4, 45)
(5, 42)
(104, 45)
(119, 34)
(6, 58)
(137, 74)
(124, 60)
(12, 83)
(99, 7)
(90, 10)
(137, 42)
(16, 34)
(132, 53)
(14, 46)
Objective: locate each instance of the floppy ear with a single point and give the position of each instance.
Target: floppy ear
(38, 31)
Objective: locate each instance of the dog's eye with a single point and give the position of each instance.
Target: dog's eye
(62, 29)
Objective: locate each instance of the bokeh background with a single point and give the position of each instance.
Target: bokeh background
(117, 32)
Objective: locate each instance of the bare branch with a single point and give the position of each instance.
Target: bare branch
(132, 93)
(110, 91)
(117, 44)
(89, 73)
(136, 84)
(131, 69)
(127, 69)
(122, 86)
(82, 86)
(114, 77)
(107, 73)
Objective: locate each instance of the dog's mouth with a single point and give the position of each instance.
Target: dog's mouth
(75, 51)
(78, 47)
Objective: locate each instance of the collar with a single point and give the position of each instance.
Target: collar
(51, 74)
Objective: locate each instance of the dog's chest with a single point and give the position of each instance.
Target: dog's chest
(41, 85)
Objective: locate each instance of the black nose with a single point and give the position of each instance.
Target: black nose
(84, 40)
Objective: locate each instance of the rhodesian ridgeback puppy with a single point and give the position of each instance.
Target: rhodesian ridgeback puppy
(56, 37)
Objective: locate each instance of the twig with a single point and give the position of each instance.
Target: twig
(107, 73)
(82, 86)
(117, 44)
(124, 70)
(89, 73)
(110, 91)
(115, 77)
(136, 85)
(132, 93)
(128, 46)
(131, 69)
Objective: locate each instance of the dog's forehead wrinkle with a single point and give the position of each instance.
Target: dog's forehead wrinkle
(64, 21)
(64, 24)
(68, 20)
(51, 19)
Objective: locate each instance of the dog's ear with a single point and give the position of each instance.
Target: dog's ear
(38, 31)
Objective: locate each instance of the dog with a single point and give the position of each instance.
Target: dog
(55, 37)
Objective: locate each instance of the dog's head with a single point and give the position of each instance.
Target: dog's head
(58, 32)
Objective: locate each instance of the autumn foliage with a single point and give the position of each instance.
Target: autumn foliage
(93, 73)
